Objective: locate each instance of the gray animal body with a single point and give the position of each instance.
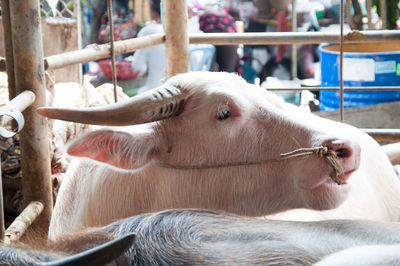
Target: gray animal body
(204, 237)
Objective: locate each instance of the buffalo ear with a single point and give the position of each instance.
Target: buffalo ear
(120, 149)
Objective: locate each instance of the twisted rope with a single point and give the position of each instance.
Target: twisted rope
(321, 151)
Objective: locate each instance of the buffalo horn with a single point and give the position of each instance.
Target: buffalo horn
(154, 105)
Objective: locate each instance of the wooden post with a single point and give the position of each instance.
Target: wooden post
(29, 75)
(5, 14)
(176, 37)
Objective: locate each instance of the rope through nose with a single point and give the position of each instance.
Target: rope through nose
(321, 151)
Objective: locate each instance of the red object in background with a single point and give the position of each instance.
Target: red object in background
(124, 69)
(281, 27)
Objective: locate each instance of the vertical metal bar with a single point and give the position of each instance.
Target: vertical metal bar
(294, 47)
(176, 37)
(341, 59)
(138, 7)
(77, 14)
(5, 14)
(348, 14)
(2, 228)
(382, 4)
(29, 75)
(369, 15)
(146, 11)
(114, 71)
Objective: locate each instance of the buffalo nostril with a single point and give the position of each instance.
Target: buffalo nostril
(343, 148)
(343, 153)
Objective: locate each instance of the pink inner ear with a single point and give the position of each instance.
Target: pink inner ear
(107, 147)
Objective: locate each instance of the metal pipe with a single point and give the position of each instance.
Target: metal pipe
(5, 14)
(176, 37)
(19, 103)
(29, 75)
(341, 60)
(2, 228)
(389, 88)
(368, 4)
(294, 47)
(382, 5)
(268, 38)
(112, 49)
(5, 10)
(386, 134)
(96, 52)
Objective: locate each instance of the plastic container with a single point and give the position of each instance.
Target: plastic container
(123, 67)
(368, 64)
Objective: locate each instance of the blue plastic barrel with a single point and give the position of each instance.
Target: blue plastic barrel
(364, 64)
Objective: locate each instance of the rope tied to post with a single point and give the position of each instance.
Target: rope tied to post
(321, 151)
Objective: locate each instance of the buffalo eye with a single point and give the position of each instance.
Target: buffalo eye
(223, 114)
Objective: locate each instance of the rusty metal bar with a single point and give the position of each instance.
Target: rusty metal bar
(5, 10)
(112, 49)
(5, 14)
(176, 37)
(294, 47)
(2, 227)
(341, 60)
(382, 5)
(389, 88)
(267, 38)
(96, 52)
(387, 135)
(368, 4)
(22, 222)
(29, 75)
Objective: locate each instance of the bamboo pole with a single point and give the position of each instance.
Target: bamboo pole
(29, 74)
(97, 52)
(176, 37)
(22, 222)
(5, 14)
